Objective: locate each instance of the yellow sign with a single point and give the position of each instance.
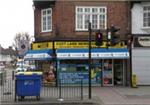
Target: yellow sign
(70, 44)
(93, 74)
(42, 45)
(82, 44)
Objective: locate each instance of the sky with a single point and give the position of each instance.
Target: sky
(16, 16)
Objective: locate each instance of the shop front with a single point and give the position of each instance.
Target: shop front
(42, 60)
(108, 65)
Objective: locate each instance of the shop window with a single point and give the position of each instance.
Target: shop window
(81, 68)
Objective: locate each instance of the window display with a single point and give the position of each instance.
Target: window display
(75, 70)
(107, 73)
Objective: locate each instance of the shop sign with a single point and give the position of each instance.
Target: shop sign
(110, 55)
(72, 55)
(79, 44)
(74, 44)
(142, 41)
(94, 55)
(101, 55)
(36, 56)
(42, 45)
(123, 54)
(68, 44)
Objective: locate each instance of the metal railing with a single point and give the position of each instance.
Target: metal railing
(7, 91)
(2, 76)
(64, 90)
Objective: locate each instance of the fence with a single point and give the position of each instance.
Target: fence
(2, 76)
(65, 90)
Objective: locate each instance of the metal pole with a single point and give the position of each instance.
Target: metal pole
(130, 55)
(90, 32)
(81, 89)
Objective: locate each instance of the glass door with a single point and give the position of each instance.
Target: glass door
(118, 72)
(107, 73)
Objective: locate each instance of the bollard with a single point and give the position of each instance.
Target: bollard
(81, 89)
(60, 89)
(134, 81)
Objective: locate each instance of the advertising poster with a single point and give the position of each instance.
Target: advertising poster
(76, 77)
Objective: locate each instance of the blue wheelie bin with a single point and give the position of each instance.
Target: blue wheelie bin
(28, 84)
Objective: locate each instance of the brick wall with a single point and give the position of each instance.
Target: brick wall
(64, 19)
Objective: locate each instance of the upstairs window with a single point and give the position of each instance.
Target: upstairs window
(146, 16)
(46, 20)
(96, 15)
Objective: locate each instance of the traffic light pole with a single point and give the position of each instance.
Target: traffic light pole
(90, 32)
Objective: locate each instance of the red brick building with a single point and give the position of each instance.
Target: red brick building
(64, 17)
(63, 24)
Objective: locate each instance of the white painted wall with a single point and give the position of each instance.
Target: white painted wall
(6, 58)
(141, 65)
(137, 19)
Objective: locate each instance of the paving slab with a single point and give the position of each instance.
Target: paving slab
(123, 95)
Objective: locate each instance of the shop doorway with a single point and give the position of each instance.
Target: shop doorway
(118, 72)
(107, 74)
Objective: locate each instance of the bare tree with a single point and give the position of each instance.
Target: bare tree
(22, 42)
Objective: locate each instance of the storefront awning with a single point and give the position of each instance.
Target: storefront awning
(97, 53)
(38, 54)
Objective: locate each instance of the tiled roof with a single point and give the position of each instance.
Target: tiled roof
(7, 51)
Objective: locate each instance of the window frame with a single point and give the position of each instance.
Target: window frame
(91, 14)
(145, 5)
(46, 16)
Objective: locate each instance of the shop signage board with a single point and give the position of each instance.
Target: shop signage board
(94, 55)
(80, 44)
(69, 44)
(142, 41)
(42, 45)
(41, 55)
(38, 54)
(75, 44)
(72, 55)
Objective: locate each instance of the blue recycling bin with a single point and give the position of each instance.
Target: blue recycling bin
(28, 85)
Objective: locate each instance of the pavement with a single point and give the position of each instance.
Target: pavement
(122, 95)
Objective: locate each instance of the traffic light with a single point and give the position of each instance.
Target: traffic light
(112, 38)
(99, 39)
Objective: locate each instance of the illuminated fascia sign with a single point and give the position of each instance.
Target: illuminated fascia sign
(111, 55)
(94, 55)
(121, 54)
(81, 44)
(35, 56)
(42, 45)
(72, 55)
(101, 55)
